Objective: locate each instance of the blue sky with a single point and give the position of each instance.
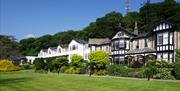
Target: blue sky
(25, 18)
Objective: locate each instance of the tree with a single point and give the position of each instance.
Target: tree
(8, 47)
(49, 63)
(104, 27)
(40, 64)
(177, 55)
(99, 60)
(150, 69)
(151, 13)
(28, 47)
(59, 62)
(177, 69)
(130, 19)
(76, 60)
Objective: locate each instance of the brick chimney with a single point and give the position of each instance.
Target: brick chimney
(136, 28)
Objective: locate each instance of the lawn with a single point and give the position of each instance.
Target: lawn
(27, 81)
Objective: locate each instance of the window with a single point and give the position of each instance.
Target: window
(116, 45)
(107, 49)
(121, 58)
(137, 46)
(171, 38)
(74, 47)
(159, 39)
(112, 46)
(145, 42)
(165, 38)
(59, 50)
(116, 60)
(121, 34)
(121, 44)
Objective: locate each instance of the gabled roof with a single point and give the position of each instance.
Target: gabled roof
(126, 31)
(53, 48)
(64, 46)
(158, 25)
(141, 35)
(80, 41)
(44, 50)
(99, 41)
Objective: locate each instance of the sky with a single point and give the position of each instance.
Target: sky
(34, 18)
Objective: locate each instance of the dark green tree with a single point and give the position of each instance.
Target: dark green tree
(8, 47)
(40, 64)
(28, 47)
(130, 19)
(151, 13)
(59, 62)
(150, 69)
(177, 55)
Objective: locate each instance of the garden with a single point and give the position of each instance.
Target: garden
(53, 74)
(98, 65)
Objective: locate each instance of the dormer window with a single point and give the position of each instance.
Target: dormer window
(120, 34)
(74, 47)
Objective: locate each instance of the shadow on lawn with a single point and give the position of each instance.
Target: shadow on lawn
(14, 80)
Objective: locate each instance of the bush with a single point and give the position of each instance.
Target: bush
(41, 71)
(58, 63)
(6, 65)
(177, 69)
(99, 72)
(135, 72)
(40, 64)
(76, 60)
(49, 63)
(150, 69)
(162, 64)
(177, 55)
(63, 69)
(99, 59)
(27, 66)
(117, 70)
(72, 70)
(164, 73)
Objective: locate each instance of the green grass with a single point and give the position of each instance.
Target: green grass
(26, 81)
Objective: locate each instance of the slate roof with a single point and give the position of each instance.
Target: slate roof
(64, 46)
(53, 48)
(144, 50)
(99, 41)
(126, 31)
(81, 41)
(141, 35)
(44, 50)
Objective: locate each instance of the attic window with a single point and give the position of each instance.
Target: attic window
(120, 34)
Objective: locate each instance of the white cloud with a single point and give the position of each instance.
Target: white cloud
(29, 36)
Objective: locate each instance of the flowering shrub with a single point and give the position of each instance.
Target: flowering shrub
(6, 65)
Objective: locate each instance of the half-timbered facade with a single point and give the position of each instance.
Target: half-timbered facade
(160, 43)
(120, 45)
